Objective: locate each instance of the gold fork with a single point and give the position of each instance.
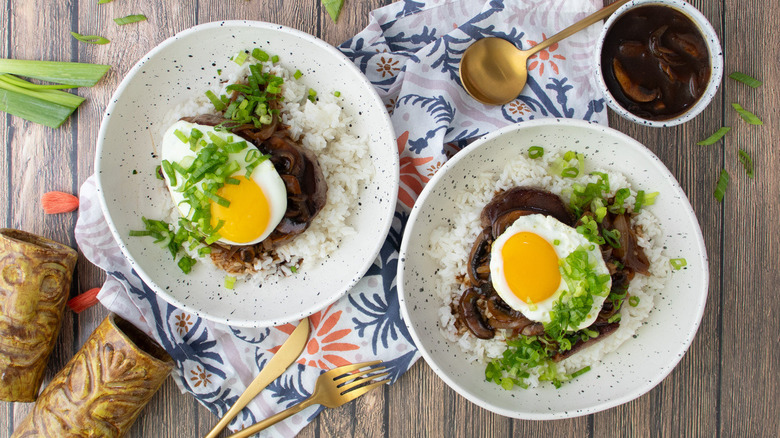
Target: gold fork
(334, 388)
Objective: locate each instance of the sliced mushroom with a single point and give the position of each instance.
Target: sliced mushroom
(480, 258)
(533, 201)
(503, 316)
(632, 90)
(469, 313)
(630, 253)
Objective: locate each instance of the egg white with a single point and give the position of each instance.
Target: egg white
(569, 240)
(265, 175)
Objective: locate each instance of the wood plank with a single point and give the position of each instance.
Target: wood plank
(38, 157)
(750, 366)
(300, 14)
(6, 409)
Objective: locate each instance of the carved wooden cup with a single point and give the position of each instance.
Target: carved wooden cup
(103, 389)
(35, 276)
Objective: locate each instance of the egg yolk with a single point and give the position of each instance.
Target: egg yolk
(530, 267)
(248, 214)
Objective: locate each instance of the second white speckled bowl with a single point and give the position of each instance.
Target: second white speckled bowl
(639, 364)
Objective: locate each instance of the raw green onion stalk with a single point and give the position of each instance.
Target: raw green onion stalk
(39, 103)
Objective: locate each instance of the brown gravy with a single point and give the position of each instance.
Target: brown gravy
(655, 62)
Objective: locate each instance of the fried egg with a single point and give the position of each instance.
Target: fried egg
(257, 203)
(525, 267)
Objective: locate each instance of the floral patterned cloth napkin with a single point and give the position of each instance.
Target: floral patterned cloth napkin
(410, 52)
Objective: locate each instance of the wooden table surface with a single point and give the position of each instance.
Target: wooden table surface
(727, 384)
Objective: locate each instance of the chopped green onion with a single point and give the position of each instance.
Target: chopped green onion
(218, 199)
(747, 115)
(614, 318)
(611, 237)
(720, 188)
(168, 169)
(678, 264)
(337, 93)
(102, 2)
(633, 301)
(570, 172)
(297, 74)
(333, 7)
(218, 105)
(230, 282)
(90, 39)
(204, 250)
(294, 269)
(134, 233)
(556, 242)
(186, 263)
(181, 136)
(312, 94)
(260, 55)
(158, 172)
(129, 19)
(240, 58)
(745, 79)
(714, 137)
(535, 152)
(580, 372)
(747, 162)
(275, 59)
(213, 238)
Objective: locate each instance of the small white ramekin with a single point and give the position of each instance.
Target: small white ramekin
(713, 45)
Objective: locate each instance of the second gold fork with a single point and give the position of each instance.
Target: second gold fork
(334, 388)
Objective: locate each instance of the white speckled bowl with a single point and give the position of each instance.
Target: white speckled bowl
(186, 65)
(713, 45)
(625, 374)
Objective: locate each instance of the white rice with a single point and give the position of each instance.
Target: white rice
(322, 127)
(451, 244)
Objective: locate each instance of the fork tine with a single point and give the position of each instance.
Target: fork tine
(348, 386)
(340, 371)
(347, 377)
(355, 393)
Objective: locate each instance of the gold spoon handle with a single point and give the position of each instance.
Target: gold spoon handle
(270, 421)
(578, 26)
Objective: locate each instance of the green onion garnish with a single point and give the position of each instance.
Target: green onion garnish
(337, 93)
(275, 59)
(297, 74)
(90, 39)
(312, 94)
(230, 282)
(168, 169)
(186, 263)
(102, 2)
(294, 269)
(745, 79)
(747, 162)
(240, 58)
(633, 301)
(556, 242)
(202, 251)
(720, 188)
(714, 137)
(218, 105)
(747, 115)
(611, 237)
(678, 264)
(614, 318)
(535, 152)
(134, 233)
(181, 136)
(129, 19)
(570, 172)
(260, 55)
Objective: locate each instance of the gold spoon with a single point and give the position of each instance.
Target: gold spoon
(494, 71)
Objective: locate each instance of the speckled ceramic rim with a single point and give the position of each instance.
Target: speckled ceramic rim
(713, 45)
(651, 381)
(369, 256)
